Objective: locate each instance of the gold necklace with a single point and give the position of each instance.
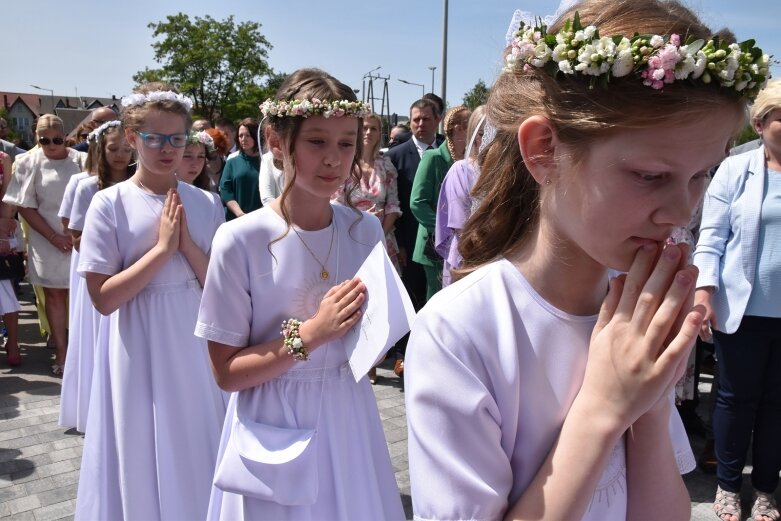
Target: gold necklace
(323, 272)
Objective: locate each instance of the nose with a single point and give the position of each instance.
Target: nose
(332, 158)
(677, 208)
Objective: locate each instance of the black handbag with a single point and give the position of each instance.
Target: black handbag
(11, 267)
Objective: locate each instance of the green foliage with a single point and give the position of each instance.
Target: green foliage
(220, 64)
(747, 134)
(477, 96)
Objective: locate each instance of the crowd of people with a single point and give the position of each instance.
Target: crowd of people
(564, 245)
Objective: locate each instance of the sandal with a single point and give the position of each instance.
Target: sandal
(57, 369)
(764, 505)
(727, 504)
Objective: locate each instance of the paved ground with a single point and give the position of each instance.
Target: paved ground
(39, 461)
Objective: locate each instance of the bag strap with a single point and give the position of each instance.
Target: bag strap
(242, 395)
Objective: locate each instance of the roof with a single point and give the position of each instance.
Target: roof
(42, 104)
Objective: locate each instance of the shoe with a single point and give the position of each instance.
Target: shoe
(373, 375)
(764, 506)
(57, 369)
(727, 504)
(398, 367)
(707, 460)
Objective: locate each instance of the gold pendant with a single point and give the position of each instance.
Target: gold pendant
(324, 274)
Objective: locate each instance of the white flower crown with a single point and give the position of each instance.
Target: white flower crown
(96, 134)
(314, 107)
(201, 137)
(657, 60)
(134, 100)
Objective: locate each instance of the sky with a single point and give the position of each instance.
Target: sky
(93, 48)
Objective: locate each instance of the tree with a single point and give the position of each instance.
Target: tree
(478, 95)
(218, 63)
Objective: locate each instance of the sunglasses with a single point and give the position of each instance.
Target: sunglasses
(154, 140)
(45, 141)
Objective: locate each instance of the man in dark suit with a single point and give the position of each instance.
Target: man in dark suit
(424, 120)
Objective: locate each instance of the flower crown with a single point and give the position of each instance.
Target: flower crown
(96, 134)
(657, 60)
(135, 100)
(203, 138)
(314, 107)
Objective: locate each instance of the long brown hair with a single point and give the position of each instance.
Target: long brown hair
(100, 165)
(308, 84)
(508, 195)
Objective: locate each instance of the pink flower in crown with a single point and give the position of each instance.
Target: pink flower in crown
(675, 40)
(299, 110)
(338, 112)
(316, 101)
(669, 57)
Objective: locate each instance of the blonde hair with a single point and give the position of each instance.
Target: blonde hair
(454, 117)
(133, 117)
(509, 195)
(375, 117)
(767, 101)
(49, 121)
(473, 126)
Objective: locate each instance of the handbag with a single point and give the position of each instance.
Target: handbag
(11, 267)
(268, 462)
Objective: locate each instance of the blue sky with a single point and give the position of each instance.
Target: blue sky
(94, 47)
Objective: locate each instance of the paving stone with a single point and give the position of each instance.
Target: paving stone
(23, 504)
(60, 510)
(12, 492)
(58, 495)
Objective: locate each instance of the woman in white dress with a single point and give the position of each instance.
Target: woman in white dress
(537, 388)
(37, 188)
(302, 439)
(155, 413)
(112, 155)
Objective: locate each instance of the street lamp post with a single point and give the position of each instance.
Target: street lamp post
(443, 94)
(432, 68)
(422, 87)
(51, 92)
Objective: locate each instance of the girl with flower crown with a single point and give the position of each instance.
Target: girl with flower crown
(302, 439)
(155, 413)
(193, 169)
(537, 387)
(109, 158)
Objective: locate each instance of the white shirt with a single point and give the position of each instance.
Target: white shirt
(421, 146)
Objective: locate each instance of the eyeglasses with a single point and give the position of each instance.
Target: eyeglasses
(155, 140)
(45, 141)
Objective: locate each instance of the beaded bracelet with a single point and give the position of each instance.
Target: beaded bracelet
(292, 340)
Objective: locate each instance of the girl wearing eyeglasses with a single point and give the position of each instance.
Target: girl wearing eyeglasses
(37, 188)
(155, 413)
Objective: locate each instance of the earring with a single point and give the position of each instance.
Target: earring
(548, 181)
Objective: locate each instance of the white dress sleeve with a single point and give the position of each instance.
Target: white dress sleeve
(80, 204)
(458, 467)
(67, 198)
(21, 188)
(225, 315)
(99, 252)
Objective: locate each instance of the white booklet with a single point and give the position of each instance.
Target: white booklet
(386, 316)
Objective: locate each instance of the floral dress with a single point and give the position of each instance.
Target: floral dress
(377, 192)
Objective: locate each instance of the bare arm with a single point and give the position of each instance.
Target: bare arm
(655, 488)
(631, 367)
(234, 207)
(238, 368)
(38, 223)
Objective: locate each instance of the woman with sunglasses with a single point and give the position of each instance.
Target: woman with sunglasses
(37, 188)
